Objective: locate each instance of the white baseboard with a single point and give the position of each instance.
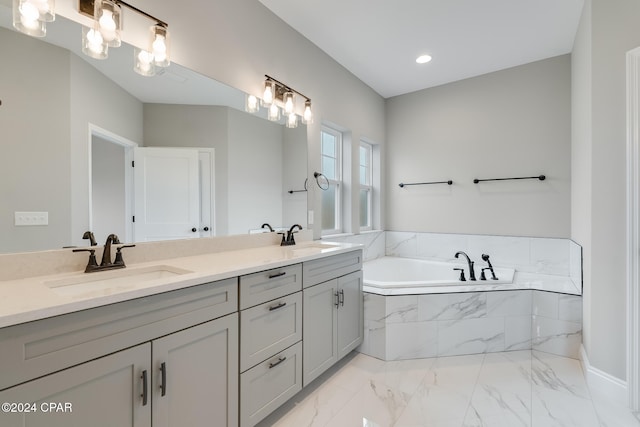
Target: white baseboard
(603, 384)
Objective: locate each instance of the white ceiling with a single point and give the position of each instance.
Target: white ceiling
(378, 41)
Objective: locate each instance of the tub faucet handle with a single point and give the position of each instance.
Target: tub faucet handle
(462, 278)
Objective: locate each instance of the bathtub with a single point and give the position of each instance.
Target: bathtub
(394, 273)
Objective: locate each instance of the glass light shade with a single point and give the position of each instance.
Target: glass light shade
(268, 95)
(46, 9)
(93, 44)
(26, 18)
(252, 105)
(289, 105)
(307, 116)
(273, 113)
(143, 63)
(160, 46)
(109, 16)
(292, 121)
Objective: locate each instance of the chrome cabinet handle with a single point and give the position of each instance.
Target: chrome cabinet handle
(275, 307)
(280, 360)
(337, 303)
(341, 297)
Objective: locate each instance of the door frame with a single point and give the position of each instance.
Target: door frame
(97, 131)
(633, 228)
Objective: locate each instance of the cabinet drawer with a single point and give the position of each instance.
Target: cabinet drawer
(269, 328)
(268, 285)
(33, 349)
(270, 384)
(321, 270)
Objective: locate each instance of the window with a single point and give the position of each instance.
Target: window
(366, 186)
(331, 142)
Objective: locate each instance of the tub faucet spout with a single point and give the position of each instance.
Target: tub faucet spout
(472, 274)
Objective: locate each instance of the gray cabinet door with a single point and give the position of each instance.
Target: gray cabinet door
(195, 375)
(320, 326)
(106, 392)
(350, 313)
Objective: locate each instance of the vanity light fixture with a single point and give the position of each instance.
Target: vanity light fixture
(108, 15)
(30, 16)
(93, 44)
(277, 95)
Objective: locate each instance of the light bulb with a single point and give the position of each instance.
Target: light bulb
(27, 18)
(307, 116)
(93, 43)
(288, 102)
(160, 46)
(107, 25)
(267, 97)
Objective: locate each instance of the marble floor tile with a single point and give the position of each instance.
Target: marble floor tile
(507, 389)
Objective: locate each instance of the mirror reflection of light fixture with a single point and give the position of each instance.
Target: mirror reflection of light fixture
(30, 16)
(273, 113)
(93, 44)
(275, 94)
(292, 121)
(143, 62)
(252, 105)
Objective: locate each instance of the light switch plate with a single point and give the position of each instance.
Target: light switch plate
(31, 218)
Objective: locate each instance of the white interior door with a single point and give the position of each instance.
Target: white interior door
(167, 194)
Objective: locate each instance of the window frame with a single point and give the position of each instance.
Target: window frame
(368, 187)
(336, 182)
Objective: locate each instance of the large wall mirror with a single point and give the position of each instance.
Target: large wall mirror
(70, 127)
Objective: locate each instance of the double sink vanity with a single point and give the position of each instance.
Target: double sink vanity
(212, 339)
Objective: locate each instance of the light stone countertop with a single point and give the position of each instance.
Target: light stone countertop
(30, 299)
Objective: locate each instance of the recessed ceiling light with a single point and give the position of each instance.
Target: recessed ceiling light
(423, 59)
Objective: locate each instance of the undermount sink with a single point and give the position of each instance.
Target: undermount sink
(111, 282)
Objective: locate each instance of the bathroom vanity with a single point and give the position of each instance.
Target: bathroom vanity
(222, 345)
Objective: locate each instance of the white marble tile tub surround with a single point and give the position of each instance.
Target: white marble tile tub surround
(541, 263)
(373, 243)
(506, 389)
(428, 325)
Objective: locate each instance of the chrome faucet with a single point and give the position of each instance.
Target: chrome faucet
(472, 274)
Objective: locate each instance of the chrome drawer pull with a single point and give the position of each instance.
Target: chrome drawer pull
(273, 276)
(280, 360)
(341, 297)
(275, 307)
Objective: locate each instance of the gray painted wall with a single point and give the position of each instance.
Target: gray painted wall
(510, 123)
(107, 189)
(606, 34)
(35, 160)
